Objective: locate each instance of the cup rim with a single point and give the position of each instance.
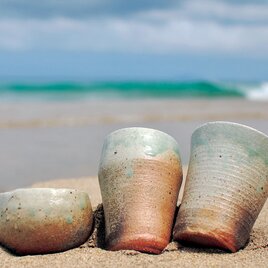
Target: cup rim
(242, 126)
(141, 128)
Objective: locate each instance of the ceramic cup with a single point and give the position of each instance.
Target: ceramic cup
(43, 220)
(140, 176)
(226, 186)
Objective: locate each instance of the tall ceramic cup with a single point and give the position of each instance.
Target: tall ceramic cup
(226, 186)
(140, 176)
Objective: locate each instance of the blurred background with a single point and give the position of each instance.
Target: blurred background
(73, 71)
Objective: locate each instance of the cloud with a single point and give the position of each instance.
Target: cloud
(191, 28)
(225, 11)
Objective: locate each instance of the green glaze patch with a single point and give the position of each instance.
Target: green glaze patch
(151, 151)
(176, 151)
(254, 146)
(82, 203)
(47, 210)
(124, 141)
(252, 153)
(129, 172)
(258, 153)
(69, 219)
(153, 143)
(198, 140)
(32, 212)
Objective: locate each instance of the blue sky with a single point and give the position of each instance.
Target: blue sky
(136, 40)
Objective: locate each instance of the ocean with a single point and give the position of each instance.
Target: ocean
(70, 91)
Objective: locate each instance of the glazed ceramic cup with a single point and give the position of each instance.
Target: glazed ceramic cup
(43, 220)
(226, 186)
(140, 176)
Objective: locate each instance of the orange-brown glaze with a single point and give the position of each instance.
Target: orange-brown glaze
(49, 235)
(148, 202)
(201, 230)
(142, 243)
(216, 239)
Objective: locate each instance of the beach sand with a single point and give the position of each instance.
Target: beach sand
(44, 141)
(255, 254)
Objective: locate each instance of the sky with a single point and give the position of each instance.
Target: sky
(134, 40)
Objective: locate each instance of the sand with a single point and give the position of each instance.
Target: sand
(41, 141)
(254, 254)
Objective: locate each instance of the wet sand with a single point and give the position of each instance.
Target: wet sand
(44, 141)
(255, 254)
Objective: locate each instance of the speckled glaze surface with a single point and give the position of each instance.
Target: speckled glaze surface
(140, 176)
(44, 220)
(226, 186)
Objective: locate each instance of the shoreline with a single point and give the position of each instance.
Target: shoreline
(44, 141)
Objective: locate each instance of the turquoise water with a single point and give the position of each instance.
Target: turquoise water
(130, 90)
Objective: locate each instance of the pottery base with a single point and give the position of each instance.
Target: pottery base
(216, 239)
(142, 243)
